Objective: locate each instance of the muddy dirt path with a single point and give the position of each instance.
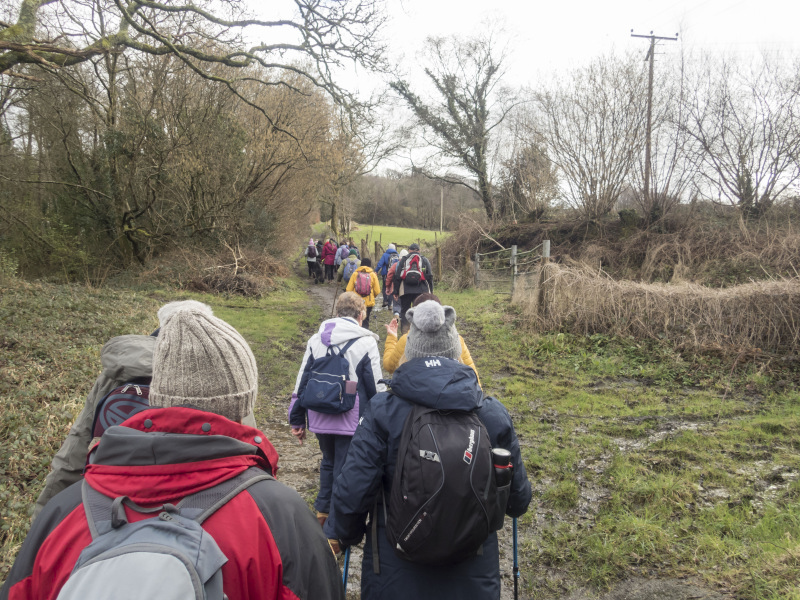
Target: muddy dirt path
(300, 470)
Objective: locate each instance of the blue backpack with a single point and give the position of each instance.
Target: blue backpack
(349, 268)
(120, 404)
(327, 390)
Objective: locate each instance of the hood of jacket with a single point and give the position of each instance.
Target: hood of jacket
(165, 453)
(340, 330)
(128, 357)
(365, 269)
(438, 382)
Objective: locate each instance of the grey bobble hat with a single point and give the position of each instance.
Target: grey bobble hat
(201, 361)
(170, 308)
(433, 331)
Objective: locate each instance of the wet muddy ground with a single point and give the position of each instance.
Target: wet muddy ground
(300, 470)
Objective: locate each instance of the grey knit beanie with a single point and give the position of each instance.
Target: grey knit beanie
(433, 331)
(170, 308)
(201, 361)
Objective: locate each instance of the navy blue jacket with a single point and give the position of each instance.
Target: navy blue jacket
(437, 383)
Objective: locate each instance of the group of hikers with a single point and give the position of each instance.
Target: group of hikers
(398, 278)
(178, 497)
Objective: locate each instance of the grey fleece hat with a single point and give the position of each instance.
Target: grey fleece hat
(433, 331)
(201, 361)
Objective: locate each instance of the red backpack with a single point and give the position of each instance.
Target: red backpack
(412, 270)
(363, 283)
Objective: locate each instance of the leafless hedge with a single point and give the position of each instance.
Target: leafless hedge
(762, 315)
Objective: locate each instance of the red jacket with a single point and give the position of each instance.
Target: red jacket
(328, 253)
(274, 545)
(390, 274)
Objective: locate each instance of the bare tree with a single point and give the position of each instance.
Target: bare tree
(592, 124)
(319, 36)
(469, 104)
(744, 121)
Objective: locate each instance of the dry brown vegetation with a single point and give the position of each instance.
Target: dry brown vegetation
(244, 271)
(763, 315)
(701, 280)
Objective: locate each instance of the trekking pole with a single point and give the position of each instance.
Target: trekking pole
(516, 562)
(344, 570)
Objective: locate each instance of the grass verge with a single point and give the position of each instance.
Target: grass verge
(50, 342)
(645, 461)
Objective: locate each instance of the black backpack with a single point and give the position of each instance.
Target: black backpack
(312, 251)
(327, 390)
(444, 501)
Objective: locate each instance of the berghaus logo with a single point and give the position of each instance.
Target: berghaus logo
(470, 446)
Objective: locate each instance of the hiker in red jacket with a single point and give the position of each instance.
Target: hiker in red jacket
(258, 535)
(329, 258)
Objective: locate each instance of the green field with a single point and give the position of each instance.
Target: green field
(386, 235)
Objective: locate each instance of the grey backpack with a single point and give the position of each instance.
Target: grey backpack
(168, 556)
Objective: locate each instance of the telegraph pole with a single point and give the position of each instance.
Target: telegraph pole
(651, 53)
(441, 210)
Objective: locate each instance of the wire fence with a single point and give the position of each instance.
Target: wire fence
(503, 270)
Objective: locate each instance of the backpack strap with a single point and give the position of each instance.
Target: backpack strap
(104, 514)
(343, 350)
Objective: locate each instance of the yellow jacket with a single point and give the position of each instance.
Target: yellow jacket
(375, 289)
(394, 350)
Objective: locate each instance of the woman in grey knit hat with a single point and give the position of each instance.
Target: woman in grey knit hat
(432, 332)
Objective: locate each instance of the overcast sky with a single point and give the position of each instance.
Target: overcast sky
(556, 34)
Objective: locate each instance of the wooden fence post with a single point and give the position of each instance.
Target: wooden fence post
(477, 269)
(542, 296)
(438, 263)
(377, 251)
(513, 269)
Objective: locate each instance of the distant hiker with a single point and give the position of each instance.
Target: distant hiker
(364, 282)
(311, 258)
(394, 349)
(181, 501)
(341, 254)
(348, 266)
(435, 386)
(382, 268)
(392, 285)
(413, 276)
(126, 359)
(337, 414)
(328, 258)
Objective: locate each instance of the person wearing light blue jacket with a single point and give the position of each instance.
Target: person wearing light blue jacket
(334, 431)
(341, 254)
